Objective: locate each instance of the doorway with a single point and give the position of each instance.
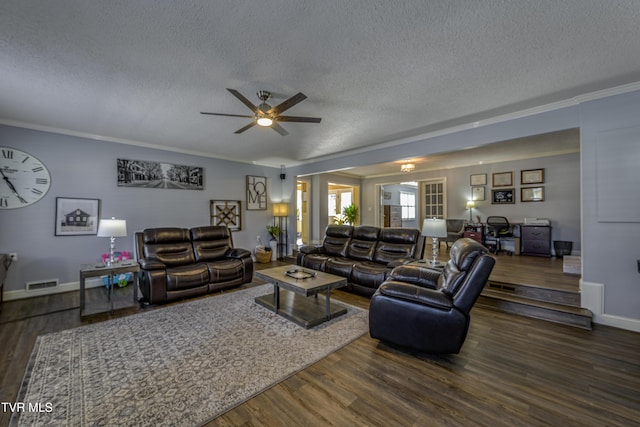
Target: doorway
(341, 196)
(303, 190)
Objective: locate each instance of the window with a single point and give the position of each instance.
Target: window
(408, 203)
(433, 193)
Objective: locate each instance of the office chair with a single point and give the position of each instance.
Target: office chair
(498, 227)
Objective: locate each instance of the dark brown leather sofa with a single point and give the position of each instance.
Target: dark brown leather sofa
(179, 263)
(427, 310)
(365, 255)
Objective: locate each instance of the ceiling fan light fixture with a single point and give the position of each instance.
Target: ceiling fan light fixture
(264, 121)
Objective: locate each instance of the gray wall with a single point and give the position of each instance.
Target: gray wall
(562, 194)
(86, 168)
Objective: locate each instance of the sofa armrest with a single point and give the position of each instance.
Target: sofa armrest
(417, 294)
(238, 253)
(310, 249)
(151, 264)
(416, 275)
(399, 262)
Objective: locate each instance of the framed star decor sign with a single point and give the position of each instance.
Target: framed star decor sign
(227, 212)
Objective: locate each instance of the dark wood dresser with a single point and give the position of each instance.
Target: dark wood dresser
(536, 240)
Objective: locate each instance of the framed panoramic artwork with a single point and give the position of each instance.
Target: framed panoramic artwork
(532, 194)
(477, 194)
(77, 217)
(227, 212)
(150, 174)
(503, 197)
(502, 179)
(532, 176)
(256, 193)
(479, 179)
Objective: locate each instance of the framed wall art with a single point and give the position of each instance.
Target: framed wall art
(502, 179)
(479, 179)
(503, 197)
(77, 217)
(227, 212)
(150, 174)
(532, 176)
(532, 194)
(256, 193)
(477, 194)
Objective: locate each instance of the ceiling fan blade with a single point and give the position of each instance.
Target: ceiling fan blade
(282, 131)
(299, 119)
(249, 126)
(299, 97)
(227, 115)
(245, 101)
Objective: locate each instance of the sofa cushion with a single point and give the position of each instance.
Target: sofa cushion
(336, 239)
(370, 274)
(211, 243)
(397, 243)
(339, 266)
(187, 276)
(363, 243)
(315, 261)
(462, 257)
(225, 269)
(171, 246)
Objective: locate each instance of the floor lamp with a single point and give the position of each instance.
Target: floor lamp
(470, 205)
(281, 211)
(435, 229)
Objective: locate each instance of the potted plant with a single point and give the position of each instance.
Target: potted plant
(350, 214)
(274, 231)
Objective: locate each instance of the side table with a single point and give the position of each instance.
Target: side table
(91, 270)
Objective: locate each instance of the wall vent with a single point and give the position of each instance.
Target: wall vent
(45, 284)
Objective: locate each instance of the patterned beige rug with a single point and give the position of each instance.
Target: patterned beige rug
(177, 366)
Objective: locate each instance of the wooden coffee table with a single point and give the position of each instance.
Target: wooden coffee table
(296, 298)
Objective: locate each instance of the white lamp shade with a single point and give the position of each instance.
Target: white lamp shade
(112, 228)
(432, 227)
(471, 204)
(280, 209)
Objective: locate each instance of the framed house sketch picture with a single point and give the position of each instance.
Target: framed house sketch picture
(76, 217)
(256, 193)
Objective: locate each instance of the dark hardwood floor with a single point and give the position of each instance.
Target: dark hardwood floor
(512, 371)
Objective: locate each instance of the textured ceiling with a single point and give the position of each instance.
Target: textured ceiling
(374, 70)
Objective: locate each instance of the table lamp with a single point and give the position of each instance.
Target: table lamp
(112, 228)
(435, 229)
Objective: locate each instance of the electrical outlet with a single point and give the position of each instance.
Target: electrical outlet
(13, 256)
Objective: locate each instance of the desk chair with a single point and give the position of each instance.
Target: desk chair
(497, 228)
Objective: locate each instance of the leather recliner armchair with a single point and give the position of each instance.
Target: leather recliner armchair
(428, 310)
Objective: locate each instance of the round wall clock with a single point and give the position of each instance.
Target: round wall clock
(24, 179)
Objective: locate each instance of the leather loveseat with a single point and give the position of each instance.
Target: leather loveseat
(179, 263)
(365, 255)
(428, 310)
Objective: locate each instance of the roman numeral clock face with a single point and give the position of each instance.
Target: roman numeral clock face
(24, 179)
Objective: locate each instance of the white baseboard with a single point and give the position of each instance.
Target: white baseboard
(592, 298)
(93, 282)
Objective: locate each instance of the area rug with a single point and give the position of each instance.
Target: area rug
(181, 365)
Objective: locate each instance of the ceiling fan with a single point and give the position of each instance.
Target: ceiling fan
(267, 116)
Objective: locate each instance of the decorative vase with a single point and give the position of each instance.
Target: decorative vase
(274, 249)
